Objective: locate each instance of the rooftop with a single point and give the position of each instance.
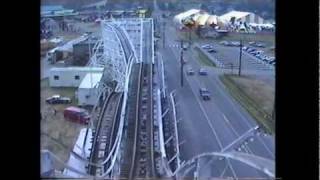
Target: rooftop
(51, 8)
(236, 14)
(186, 14)
(76, 109)
(91, 80)
(87, 68)
(69, 45)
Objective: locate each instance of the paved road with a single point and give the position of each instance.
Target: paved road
(212, 125)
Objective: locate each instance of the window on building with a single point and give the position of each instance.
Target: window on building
(56, 77)
(77, 77)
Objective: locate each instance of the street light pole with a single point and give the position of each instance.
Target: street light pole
(181, 62)
(240, 57)
(163, 33)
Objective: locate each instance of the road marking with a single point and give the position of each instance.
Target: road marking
(204, 112)
(236, 110)
(224, 171)
(246, 147)
(227, 120)
(232, 170)
(230, 100)
(182, 142)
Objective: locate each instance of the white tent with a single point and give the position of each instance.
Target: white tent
(180, 17)
(236, 14)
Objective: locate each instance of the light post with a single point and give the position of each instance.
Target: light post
(163, 33)
(181, 62)
(240, 57)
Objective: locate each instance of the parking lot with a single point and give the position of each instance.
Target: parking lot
(228, 57)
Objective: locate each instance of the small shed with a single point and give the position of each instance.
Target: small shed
(88, 89)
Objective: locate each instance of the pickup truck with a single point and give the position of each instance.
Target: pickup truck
(57, 99)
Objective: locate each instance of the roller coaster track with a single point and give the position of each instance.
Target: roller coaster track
(140, 145)
(103, 134)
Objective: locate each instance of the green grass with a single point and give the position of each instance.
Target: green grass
(204, 59)
(254, 107)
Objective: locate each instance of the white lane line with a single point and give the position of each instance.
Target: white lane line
(228, 122)
(237, 110)
(204, 112)
(224, 171)
(232, 170)
(246, 148)
(212, 128)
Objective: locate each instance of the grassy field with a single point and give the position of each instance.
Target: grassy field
(57, 134)
(255, 96)
(203, 58)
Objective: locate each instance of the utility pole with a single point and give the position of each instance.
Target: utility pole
(181, 62)
(163, 33)
(240, 57)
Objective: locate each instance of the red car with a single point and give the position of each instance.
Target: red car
(75, 114)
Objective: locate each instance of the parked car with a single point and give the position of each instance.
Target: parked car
(75, 114)
(260, 45)
(244, 48)
(251, 50)
(212, 51)
(225, 43)
(203, 72)
(252, 43)
(235, 43)
(204, 93)
(272, 58)
(206, 46)
(257, 52)
(57, 99)
(258, 55)
(190, 71)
